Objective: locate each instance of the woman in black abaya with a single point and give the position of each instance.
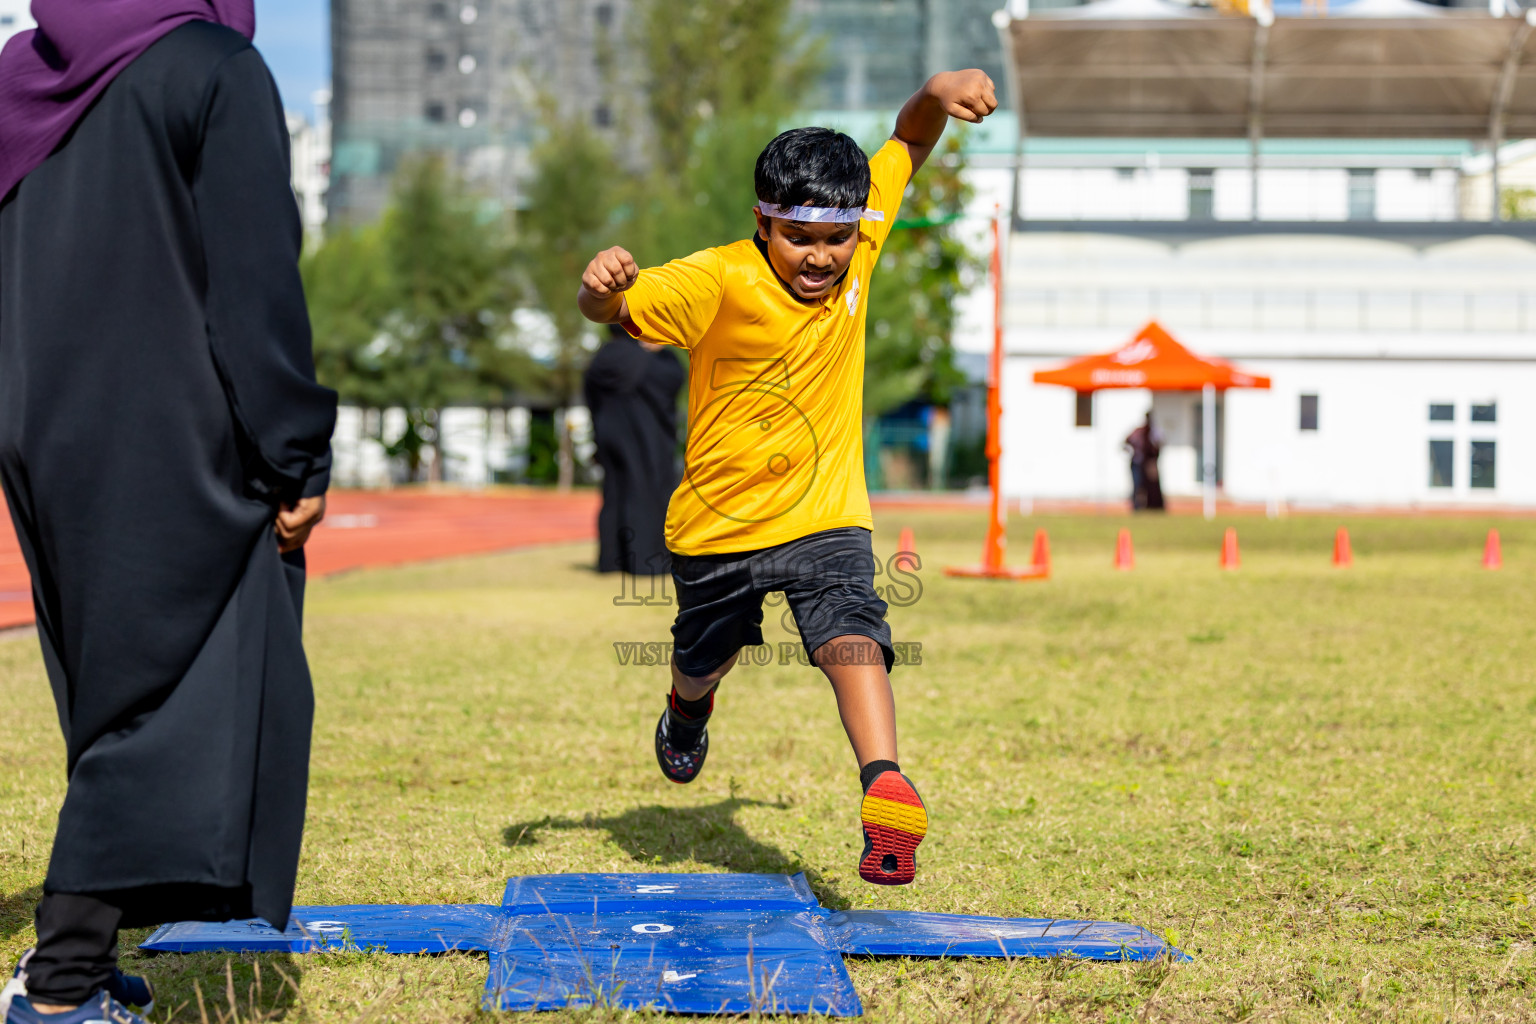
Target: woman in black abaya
(159, 421)
(631, 390)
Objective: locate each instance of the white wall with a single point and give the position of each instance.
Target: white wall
(1371, 446)
(1377, 329)
(1285, 193)
(1403, 194)
(1372, 442)
(1105, 193)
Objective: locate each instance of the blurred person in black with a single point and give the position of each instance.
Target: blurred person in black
(1145, 443)
(165, 452)
(631, 390)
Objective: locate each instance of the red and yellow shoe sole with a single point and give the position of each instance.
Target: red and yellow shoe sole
(895, 821)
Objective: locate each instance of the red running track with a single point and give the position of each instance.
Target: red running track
(374, 528)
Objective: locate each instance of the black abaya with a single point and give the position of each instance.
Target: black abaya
(157, 404)
(632, 395)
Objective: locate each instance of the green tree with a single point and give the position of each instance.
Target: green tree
(347, 285)
(1517, 203)
(925, 268)
(571, 212)
(720, 80)
(413, 312)
(723, 59)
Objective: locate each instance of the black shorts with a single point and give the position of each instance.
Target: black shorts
(827, 577)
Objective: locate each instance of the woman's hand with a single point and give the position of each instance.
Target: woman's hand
(294, 522)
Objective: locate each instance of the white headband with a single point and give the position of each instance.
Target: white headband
(820, 214)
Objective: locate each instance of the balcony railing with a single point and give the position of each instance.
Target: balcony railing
(1268, 309)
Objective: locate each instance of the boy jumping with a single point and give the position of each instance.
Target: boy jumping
(773, 496)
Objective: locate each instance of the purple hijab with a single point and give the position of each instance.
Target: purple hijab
(50, 76)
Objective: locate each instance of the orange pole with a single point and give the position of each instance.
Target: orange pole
(997, 541)
(992, 554)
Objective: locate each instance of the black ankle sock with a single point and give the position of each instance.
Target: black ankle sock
(701, 708)
(872, 771)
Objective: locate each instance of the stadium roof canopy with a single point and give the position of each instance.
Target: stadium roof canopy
(1369, 69)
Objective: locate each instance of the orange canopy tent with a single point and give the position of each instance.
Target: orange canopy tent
(1155, 361)
(1151, 360)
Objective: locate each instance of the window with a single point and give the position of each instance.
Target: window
(602, 116)
(1422, 173)
(1202, 194)
(603, 14)
(7, 20)
(1485, 413)
(1483, 464)
(1362, 195)
(1085, 408)
(437, 12)
(436, 114)
(436, 61)
(1440, 458)
(1308, 412)
(1442, 413)
(1125, 173)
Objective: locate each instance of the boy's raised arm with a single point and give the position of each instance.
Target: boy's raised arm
(603, 284)
(968, 95)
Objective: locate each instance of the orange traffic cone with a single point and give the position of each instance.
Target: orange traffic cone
(908, 547)
(1040, 558)
(1229, 555)
(1343, 558)
(1125, 557)
(1493, 555)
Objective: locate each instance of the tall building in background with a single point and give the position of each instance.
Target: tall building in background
(465, 77)
(471, 77)
(877, 52)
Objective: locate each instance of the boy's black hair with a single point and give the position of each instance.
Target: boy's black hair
(813, 167)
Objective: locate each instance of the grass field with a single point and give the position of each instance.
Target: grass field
(1320, 783)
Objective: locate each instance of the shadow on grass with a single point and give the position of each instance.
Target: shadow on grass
(242, 988)
(658, 835)
(16, 911)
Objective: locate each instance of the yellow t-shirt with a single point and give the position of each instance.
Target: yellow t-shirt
(776, 401)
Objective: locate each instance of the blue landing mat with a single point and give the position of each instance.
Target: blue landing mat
(912, 933)
(370, 927)
(678, 943)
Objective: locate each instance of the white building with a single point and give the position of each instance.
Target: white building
(1399, 337)
(1291, 190)
(310, 149)
(1404, 372)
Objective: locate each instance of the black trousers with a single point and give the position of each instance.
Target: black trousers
(77, 933)
(76, 948)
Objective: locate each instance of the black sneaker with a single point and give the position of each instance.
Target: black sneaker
(681, 744)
